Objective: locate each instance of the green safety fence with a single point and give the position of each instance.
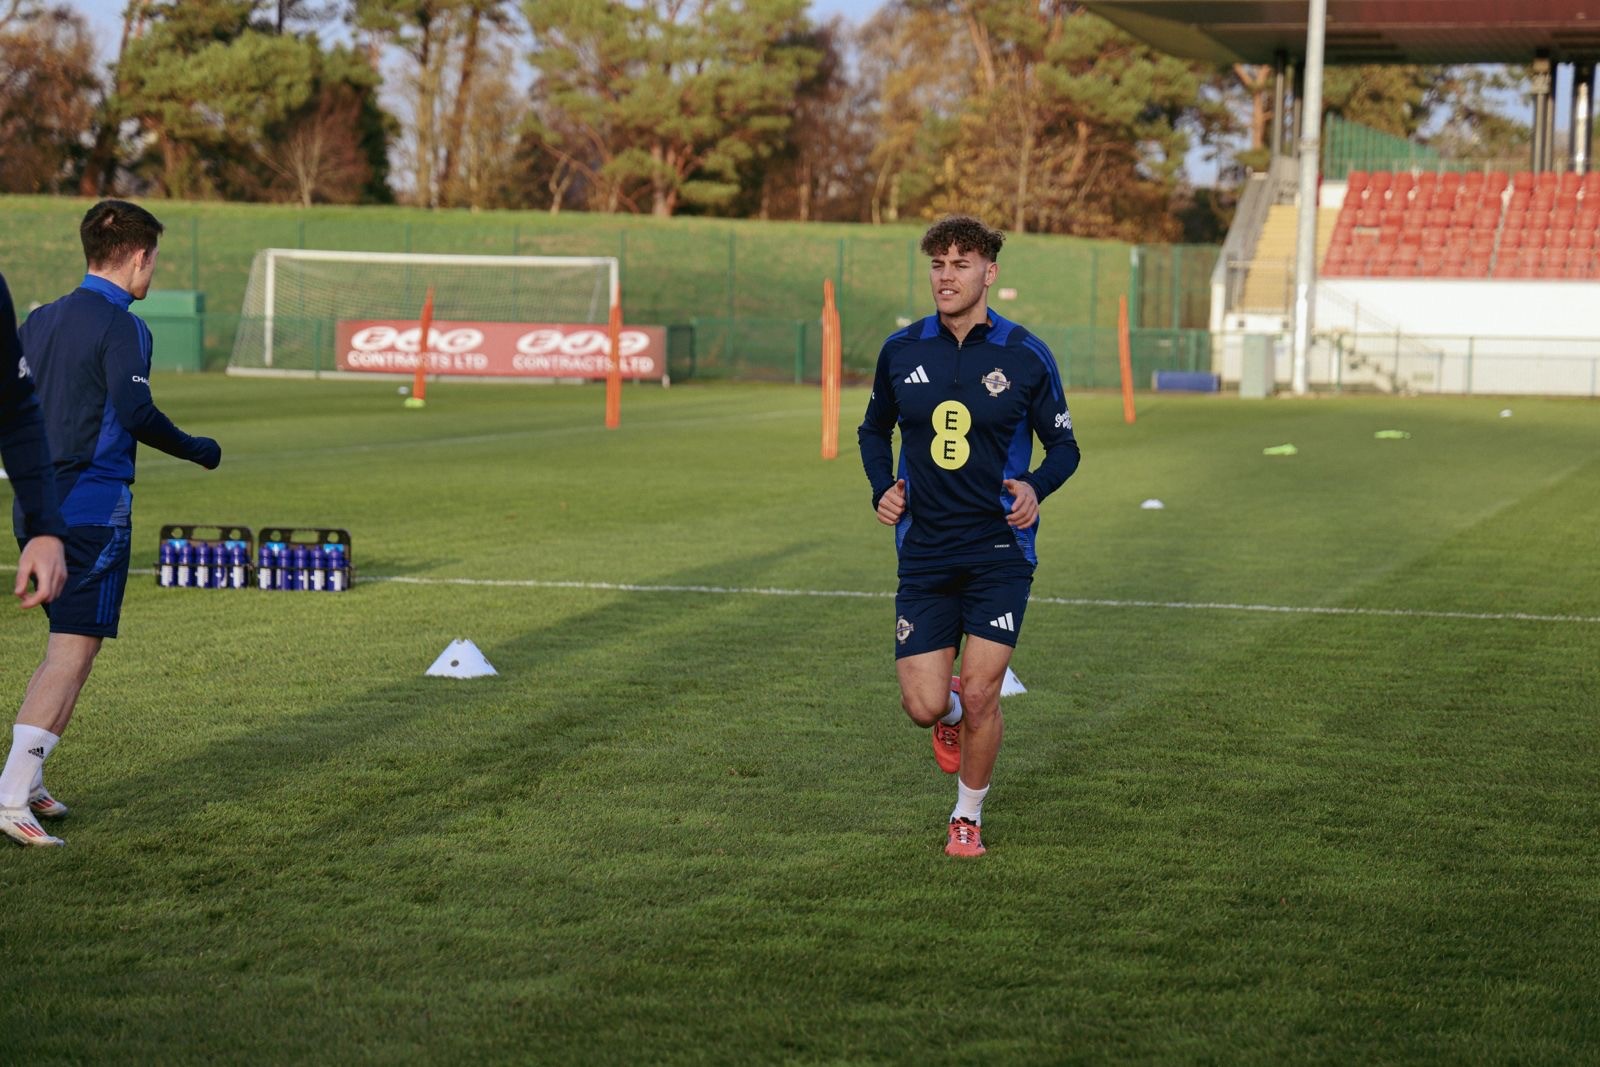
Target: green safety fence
(748, 293)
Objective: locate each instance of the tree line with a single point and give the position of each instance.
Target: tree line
(1034, 113)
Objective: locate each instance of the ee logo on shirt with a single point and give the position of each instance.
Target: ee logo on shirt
(951, 424)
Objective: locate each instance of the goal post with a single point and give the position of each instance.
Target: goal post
(298, 301)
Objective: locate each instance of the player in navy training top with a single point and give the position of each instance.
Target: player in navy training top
(969, 391)
(27, 461)
(90, 361)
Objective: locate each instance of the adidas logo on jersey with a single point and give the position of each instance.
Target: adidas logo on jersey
(918, 375)
(1004, 623)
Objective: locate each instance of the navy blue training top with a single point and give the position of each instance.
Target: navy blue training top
(90, 358)
(22, 439)
(968, 412)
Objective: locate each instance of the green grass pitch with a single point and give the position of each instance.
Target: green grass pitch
(688, 822)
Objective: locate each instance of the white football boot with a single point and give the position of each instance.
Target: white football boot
(20, 825)
(46, 806)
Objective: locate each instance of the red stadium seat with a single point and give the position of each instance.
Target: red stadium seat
(1583, 238)
(1569, 182)
(1561, 239)
(1495, 182)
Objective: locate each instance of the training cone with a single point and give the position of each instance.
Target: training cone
(461, 659)
(1011, 685)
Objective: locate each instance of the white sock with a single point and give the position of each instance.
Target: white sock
(954, 715)
(969, 802)
(29, 746)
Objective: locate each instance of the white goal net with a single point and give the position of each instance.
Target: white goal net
(303, 307)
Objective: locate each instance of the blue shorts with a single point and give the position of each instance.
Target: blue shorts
(97, 575)
(933, 608)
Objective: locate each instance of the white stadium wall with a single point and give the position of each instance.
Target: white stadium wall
(1454, 335)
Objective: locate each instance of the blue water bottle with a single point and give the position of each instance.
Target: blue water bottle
(236, 565)
(203, 557)
(185, 561)
(169, 563)
(338, 572)
(264, 567)
(318, 561)
(296, 566)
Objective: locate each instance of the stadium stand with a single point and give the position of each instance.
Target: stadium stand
(1472, 225)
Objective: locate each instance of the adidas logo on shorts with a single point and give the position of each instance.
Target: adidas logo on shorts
(1004, 623)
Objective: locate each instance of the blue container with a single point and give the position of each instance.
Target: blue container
(204, 557)
(168, 574)
(266, 561)
(185, 565)
(300, 567)
(237, 565)
(318, 561)
(338, 569)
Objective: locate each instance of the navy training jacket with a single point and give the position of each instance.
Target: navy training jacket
(23, 446)
(968, 412)
(90, 359)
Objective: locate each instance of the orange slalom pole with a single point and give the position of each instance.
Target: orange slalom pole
(614, 366)
(830, 383)
(1125, 357)
(419, 383)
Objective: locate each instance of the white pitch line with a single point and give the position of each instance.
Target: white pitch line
(1081, 602)
(859, 594)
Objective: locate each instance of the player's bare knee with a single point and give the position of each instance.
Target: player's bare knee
(980, 695)
(924, 712)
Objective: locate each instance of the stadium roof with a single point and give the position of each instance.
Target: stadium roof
(1364, 31)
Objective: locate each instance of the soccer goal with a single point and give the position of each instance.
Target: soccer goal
(314, 312)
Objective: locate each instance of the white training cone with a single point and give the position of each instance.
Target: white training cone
(461, 659)
(1152, 505)
(1011, 685)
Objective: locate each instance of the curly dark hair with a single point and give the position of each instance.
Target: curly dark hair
(113, 230)
(966, 233)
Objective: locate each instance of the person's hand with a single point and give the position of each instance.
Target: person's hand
(1025, 504)
(892, 504)
(210, 453)
(45, 561)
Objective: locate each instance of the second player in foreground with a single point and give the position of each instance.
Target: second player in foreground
(969, 391)
(90, 360)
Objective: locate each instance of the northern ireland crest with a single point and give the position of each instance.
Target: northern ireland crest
(996, 382)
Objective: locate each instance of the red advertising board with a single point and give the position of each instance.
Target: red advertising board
(499, 349)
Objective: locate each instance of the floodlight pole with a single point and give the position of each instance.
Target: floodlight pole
(1305, 247)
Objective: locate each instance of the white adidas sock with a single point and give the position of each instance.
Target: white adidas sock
(29, 746)
(969, 802)
(953, 716)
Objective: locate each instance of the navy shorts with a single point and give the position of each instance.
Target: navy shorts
(933, 608)
(97, 576)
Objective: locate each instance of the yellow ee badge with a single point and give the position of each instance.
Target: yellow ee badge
(951, 424)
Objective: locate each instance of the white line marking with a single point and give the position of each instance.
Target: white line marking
(1077, 602)
(860, 594)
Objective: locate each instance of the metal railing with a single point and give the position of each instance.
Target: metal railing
(1467, 364)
